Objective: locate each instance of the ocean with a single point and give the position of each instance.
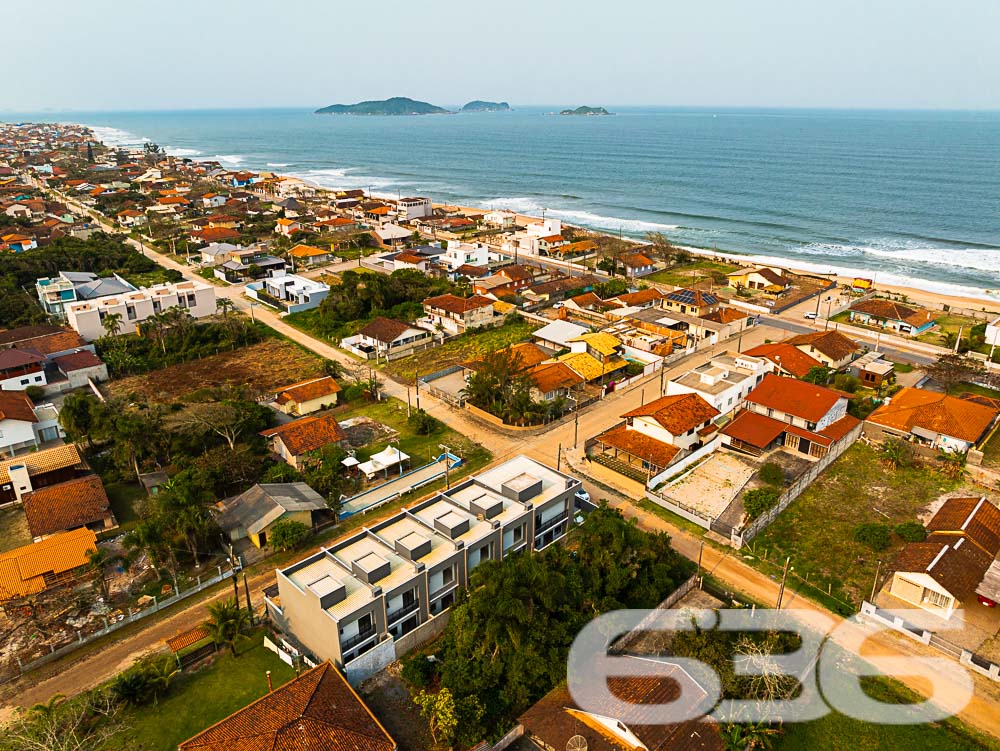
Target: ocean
(910, 197)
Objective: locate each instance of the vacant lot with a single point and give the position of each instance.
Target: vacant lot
(13, 529)
(264, 367)
(466, 347)
(816, 530)
(700, 272)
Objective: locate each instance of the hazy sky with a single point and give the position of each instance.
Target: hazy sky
(111, 54)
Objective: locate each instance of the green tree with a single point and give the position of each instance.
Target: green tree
(287, 534)
(873, 534)
(759, 501)
(441, 714)
(80, 414)
(894, 453)
(227, 622)
(112, 324)
(819, 374)
(772, 474)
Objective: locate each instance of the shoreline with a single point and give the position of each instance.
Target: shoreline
(919, 290)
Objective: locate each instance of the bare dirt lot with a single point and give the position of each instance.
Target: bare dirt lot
(264, 367)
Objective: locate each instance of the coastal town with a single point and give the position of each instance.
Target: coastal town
(282, 464)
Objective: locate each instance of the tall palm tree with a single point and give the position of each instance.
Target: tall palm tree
(112, 324)
(225, 306)
(227, 622)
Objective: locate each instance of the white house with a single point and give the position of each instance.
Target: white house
(502, 219)
(387, 338)
(724, 381)
(87, 317)
(294, 293)
(23, 425)
(460, 254)
(414, 207)
(558, 334)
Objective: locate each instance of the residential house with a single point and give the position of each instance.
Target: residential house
(20, 369)
(558, 287)
(39, 469)
(460, 254)
(365, 592)
(294, 440)
(414, 207)
(310, 255)
(554, 380)
(517, 276)
(872, 369)
(213, 200)
(57, 292)
(500, 219)
(317, 710)
(306, 397)
(558, 334)
(578, 249)
(637, 264)
(18, 243)
(724, 381)
(933, 419)
(391, 234)
(54, 562)
(49, 341)
(786, 359)
(831, 348)
(455, 315)
(77, 369)
(657, 434)
(387, 338)
(640, 299)
(68, 505)
(87, 317)
(215, 253)
(956, 566)
(470, 272)
(642, 685)
(24, 425)
(290, 292)
(287, 227)
(690, 301)
(208, 235)
(409, 260)
(249, 263)
(253, 514)
(809, 419)
(886, 314)
(769, 279)
(131, 218)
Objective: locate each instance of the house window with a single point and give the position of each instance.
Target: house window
(519, 534)
(25, 381)
(447, 576)
(936, 599)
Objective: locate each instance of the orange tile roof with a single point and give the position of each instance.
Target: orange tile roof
(725, 315)
(407, 257)
(833, 344)
(794, 397)
(307, 251)
(43, 461)
(318, 711)
(216, 234)
(756, 429)
(637, 260)
(454, 304)
(789, 358)
(187, 638)
(304, 391)
(15, 405)
(307, 433)
(639, 444)
(641, 297)
(23, 569)
(66, 505)
(892, 311)
(678, 413)
(550, 376)
(957, 418)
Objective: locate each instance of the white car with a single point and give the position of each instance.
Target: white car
(583, 495)
(811, 316)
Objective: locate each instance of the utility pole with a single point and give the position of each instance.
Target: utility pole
(701, 548)
(875, 583)
(958, 339)
(246, 589)
(416, 379)
(784, 576)
(642, 397)
(447, 465)
(559, 457)
(407, 402)
(576, 423)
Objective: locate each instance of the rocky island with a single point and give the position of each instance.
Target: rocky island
(586, 111)
(398, 105)
(481, 106)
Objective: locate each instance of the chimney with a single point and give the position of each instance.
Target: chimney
(20, 480)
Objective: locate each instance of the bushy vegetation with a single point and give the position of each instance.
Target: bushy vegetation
(759, 501)
(873, 534)
(772, 474)
(101, 254)
(911, 531)
(501, 386)
(287, 534)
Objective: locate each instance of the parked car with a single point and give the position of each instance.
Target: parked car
(811, 316)
(583, 495)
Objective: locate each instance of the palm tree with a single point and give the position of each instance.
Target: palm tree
(112, 324)
(47, 709)
(227, 622)
(225, 306)
(748, 737)
(894, 454)
(953, 462)
(160, 675)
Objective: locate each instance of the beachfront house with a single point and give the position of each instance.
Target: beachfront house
(724, 381)
(768, 279)
(886, 314)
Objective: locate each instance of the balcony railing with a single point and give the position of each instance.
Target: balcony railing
(346, 645)
(443, 590)
(541, 528)
(394, 615)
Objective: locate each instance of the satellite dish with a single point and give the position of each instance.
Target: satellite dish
(576, 743)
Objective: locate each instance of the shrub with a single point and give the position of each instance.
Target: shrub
(423, 423)
(845, 382)
(35, 393)
(911, 531)
(772, 474)
(419, 671)
(759, 500)
(874, 535)
(287, 534)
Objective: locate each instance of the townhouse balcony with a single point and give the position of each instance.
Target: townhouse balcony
(399, 613)
(346, 645)
(541, 529)
(442, 591)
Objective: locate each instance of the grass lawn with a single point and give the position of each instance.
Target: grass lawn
(971, 388)
(837, 731)
(126, 498)
(948, 324)
(149, 278)
(201, 698)
(465, 347)
(687, 274)
(13, 529)
(816, 530)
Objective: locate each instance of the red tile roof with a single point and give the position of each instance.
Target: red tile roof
(78, 360)
(307, 433)
(642, 297)
(15, 405)
(551, 376)
(833, 344)
(304, 391)
(458, 305)
(639, 445)
(794, 397)
(384, 329)
(790, 359)
(678, 413)
(756, 429)
(637, 260)
(913, 408)
(892, 311)
(66, 505)
(318, 711)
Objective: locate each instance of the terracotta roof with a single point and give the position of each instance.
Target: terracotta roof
(66, 505)
(15, 405)
(841, 428)
(307, 433)
(553, 239)
(913, 408)
(833, 344)
(307, 251)
(216, 234)
(639, 444)
(44, 340)
(950, 560)
(725, 315)
(43, 461)
(384, 329)
(318, 711)
(516, 272)
(636, 260)
(17, 358)
(459, 305)
(678, 413)
(756, 429)
(791, 359)
(187, 638)
(304, 391)
(892, 311)
(975, 518)
(23, 570)
(529, 352)
(472, 272)
(78, 360)
(588, 300)
(771, 276)
(550, 376)
(642, 297)
(409, 257)
(794, 397)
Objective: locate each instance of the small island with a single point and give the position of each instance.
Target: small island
(481, 106)
(586, 111)
(397, 105)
